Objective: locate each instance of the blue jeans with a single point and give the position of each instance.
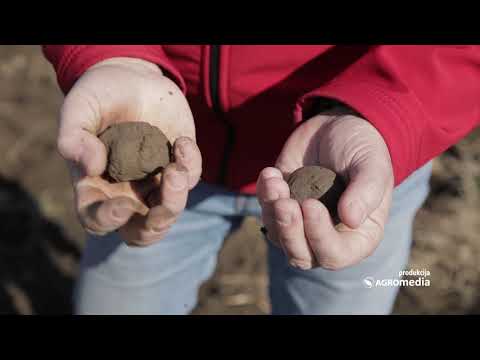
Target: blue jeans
(164, 278)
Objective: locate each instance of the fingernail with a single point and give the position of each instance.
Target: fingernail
(176, 181)
(270, 173)
(182, 148)
(300, 264)
(179, 151)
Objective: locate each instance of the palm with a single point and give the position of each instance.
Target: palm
(320, 142)
(155, 100)
(119, 91)
(350, 147)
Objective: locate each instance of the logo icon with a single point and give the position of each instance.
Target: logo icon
(369, 282)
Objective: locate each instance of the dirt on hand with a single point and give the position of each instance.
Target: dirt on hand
(317, 182)
(136, 150)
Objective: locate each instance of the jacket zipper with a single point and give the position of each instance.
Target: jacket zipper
(215, 96)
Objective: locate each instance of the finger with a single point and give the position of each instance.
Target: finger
(275, 189)
(84, 149)
(269, 172)
(290, 233)
(144, 188)
(338, 247)
(173, 190)
(270, 188)
(321, 235)
(187, 157)
(364, 193)
(170, 200)
(77, 140)
(187, 154)
(166, 204)
(301, 148)
(143, 231)
(100, 215)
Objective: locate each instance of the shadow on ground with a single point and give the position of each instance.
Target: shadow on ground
(34, 253)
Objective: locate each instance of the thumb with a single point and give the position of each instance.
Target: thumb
(368, 183)
(77, 140)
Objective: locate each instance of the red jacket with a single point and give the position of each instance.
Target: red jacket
(247, 99)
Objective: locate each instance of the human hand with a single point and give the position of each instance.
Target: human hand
(119, 90)
(354, 149)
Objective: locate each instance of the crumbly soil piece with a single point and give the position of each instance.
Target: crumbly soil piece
(319, 183)
(135, 150)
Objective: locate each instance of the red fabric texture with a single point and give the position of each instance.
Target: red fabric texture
(421, 98)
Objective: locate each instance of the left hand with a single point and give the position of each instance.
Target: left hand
(354, 149)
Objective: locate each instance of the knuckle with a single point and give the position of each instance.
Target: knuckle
(311, 209)
(301, 264)
(93, 226)
(286, 212)
(170, 214)
(329, 262)
(145, 240)
(276, 183)
(271, 191)
(281, 205)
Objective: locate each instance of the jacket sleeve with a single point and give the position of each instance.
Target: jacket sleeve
(422, 98)
(71, 61)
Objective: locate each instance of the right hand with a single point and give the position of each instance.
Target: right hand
(118, 90)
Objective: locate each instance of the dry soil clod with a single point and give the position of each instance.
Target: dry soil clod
(317, 182)
(136, 150)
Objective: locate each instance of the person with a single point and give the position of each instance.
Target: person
(241, 118)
